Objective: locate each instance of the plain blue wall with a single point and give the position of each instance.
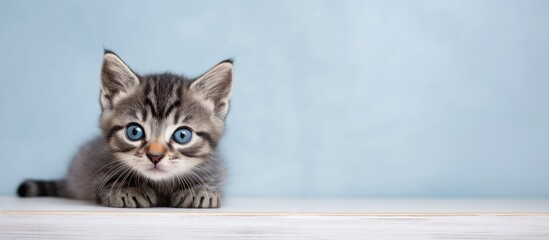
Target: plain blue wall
(331, 98)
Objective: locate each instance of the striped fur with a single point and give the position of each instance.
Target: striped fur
(115, 171)
(38, 188)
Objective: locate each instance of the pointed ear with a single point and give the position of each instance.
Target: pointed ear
(215, 86)
(117, 80)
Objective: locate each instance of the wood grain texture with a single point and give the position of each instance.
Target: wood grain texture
(49, 218)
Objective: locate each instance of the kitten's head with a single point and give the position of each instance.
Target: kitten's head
(163, 125)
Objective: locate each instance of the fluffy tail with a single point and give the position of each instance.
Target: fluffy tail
(39, 188)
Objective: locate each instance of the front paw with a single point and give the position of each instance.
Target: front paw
(130, 197)
(189, 198)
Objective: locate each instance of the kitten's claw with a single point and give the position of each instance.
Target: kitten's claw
(131, 197)
(196, 199)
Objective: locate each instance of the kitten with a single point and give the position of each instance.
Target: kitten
(158, 146)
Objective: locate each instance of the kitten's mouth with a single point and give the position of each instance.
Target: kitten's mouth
(156, 169)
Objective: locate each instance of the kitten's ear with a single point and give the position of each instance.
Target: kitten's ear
(117, 80)
(215, 86)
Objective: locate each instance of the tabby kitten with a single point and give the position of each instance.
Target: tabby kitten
(158, 147)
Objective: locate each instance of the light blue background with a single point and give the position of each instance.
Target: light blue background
(331, 98)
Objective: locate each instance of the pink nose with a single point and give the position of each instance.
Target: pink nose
(155, 158)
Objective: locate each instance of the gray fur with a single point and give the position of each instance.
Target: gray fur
(115, 172)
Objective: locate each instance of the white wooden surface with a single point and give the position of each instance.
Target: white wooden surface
(53, 218)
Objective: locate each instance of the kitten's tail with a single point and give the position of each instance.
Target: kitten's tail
(40, 188)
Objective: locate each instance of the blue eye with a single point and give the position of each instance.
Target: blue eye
(134, 132)
(182, 135)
